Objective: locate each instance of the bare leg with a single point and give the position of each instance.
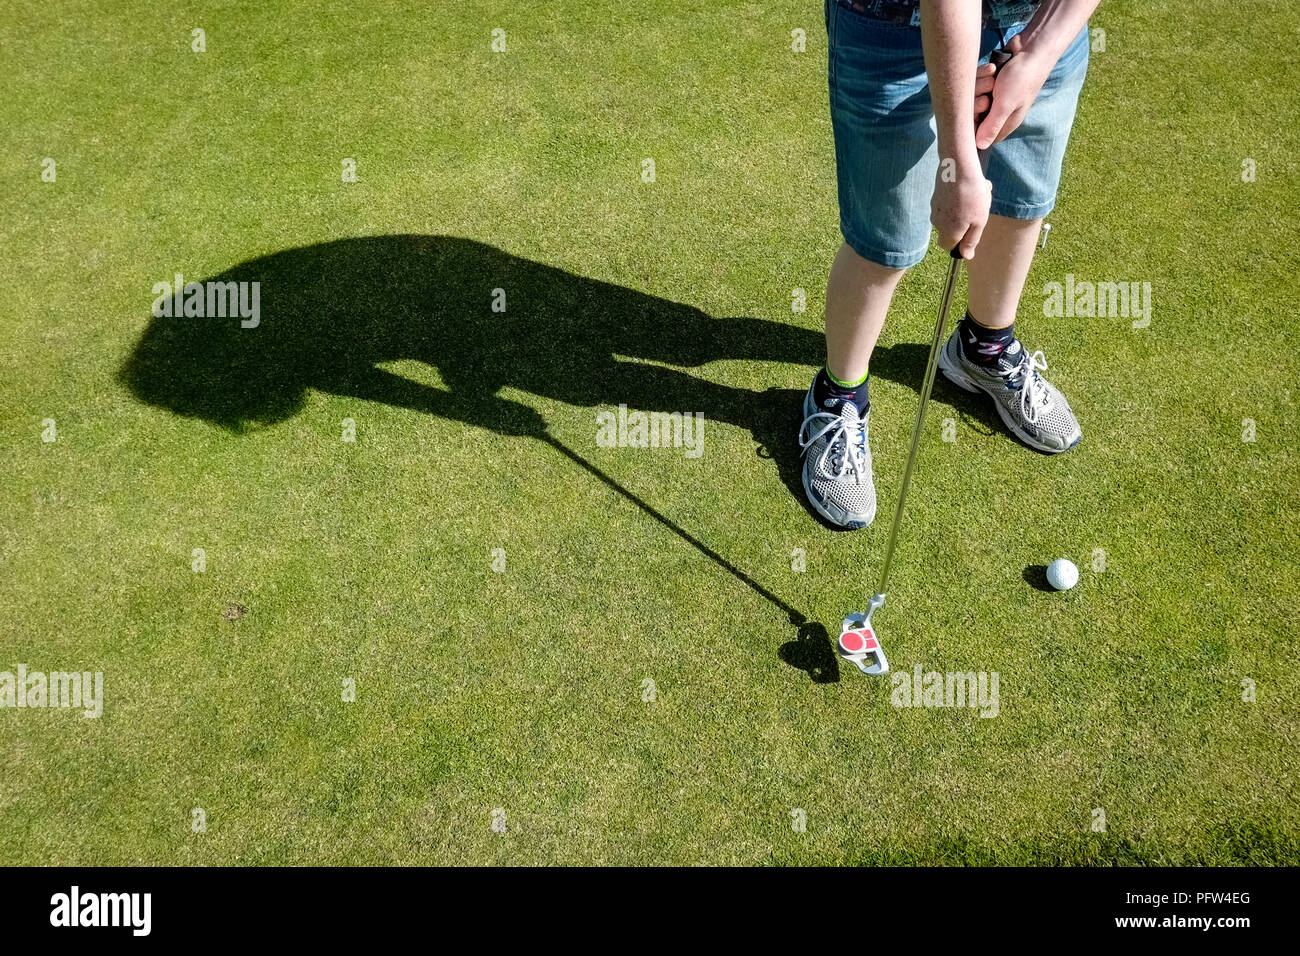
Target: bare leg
(998, 271)
(858, 294)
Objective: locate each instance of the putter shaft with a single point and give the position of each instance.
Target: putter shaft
(931, 367)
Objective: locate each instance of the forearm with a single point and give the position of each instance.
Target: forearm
(950, 37)
(1054, 25)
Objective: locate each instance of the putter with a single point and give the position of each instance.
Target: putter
(858, 642)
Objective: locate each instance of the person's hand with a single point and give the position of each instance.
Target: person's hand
(959, 208)
(983, 90)
(1008, 96)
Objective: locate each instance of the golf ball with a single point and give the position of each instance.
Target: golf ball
(1062, 574)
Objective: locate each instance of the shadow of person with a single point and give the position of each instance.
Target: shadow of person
(331, 315)
(904, 363)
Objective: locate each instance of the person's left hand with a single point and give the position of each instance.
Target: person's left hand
(1013, 91)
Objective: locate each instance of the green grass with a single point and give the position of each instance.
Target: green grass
(522, 690)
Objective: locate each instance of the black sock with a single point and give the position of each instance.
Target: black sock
(828, 393)
(984, 346)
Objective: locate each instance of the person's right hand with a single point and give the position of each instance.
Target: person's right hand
(959, 208)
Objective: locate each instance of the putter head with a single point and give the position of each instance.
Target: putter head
(859, 645)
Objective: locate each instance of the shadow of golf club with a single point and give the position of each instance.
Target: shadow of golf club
(813, 651)
(333, 313)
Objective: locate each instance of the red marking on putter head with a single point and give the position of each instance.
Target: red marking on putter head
(859, 641)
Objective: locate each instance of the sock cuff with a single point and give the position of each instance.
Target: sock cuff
(982, 345)
(974, 324)
(827, 369)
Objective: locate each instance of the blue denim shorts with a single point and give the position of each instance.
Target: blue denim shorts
(886, 153)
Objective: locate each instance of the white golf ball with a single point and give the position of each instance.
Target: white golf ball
(1062, 574)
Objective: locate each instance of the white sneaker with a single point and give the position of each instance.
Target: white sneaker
(837, 463)
(1028, 405)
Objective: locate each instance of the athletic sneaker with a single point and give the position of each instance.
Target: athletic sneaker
(837, 463)
(1032, 408)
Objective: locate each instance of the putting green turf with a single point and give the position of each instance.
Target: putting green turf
(522, 690)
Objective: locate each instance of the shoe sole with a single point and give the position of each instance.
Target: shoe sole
(856, 525)
(965, 382)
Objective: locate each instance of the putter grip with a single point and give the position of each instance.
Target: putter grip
(998, 58)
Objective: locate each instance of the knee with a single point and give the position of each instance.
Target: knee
(868, 268)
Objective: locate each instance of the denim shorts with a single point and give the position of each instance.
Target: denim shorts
(886, 153)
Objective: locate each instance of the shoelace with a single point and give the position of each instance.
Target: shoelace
(841, 437)
(1034, 396)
